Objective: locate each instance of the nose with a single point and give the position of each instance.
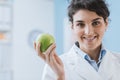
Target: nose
(89, 30)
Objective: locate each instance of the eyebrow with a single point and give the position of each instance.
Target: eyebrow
(92, 20)
(96, 19)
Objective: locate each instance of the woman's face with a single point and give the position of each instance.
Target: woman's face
(89, 29)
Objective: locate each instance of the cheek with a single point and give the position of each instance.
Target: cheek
(101, 32)
(78, 34)
(78, 31)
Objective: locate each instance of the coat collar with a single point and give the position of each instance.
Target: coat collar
(109, 66)
(82, 68)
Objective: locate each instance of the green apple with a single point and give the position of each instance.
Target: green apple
(45, 41)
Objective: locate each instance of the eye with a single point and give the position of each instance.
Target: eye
(81, 25)
(96, 23)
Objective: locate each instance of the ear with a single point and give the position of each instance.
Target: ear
(107, 22)
(71, 25)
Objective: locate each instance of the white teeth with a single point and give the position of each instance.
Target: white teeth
(90, 39)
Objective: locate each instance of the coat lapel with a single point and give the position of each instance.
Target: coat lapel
(109, 68)
(81, 68)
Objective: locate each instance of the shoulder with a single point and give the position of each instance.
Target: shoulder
(64, 57)
(116, 55)
(67, 56)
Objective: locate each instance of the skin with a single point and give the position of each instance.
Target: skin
(89, 29)
(51, 58)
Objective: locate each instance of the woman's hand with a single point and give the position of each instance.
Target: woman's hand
(52, 59)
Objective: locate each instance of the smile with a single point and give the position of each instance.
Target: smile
(90, 39)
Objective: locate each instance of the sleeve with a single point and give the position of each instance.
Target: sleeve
(48, 73)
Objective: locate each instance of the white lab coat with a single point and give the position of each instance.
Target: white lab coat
(77, 68)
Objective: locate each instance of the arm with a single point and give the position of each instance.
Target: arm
(61, 78)
(48, 74)
(51, 58)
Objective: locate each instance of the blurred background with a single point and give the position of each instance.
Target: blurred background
(22, 20)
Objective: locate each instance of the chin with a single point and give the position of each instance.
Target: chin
(90, 47)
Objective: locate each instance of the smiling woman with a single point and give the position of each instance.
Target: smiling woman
(88, 59)
(89, 29)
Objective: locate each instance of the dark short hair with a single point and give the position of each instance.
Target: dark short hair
(97, 6)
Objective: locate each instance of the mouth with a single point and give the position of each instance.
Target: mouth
(90, 39)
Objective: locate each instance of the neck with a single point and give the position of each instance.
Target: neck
(94, 54)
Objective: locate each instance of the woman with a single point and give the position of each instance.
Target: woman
(87, 59)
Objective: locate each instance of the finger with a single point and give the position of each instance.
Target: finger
(52, 55)
(39, 52)
(53, 59)
(48, 52)
(59, 61)
(50, 48)
(34, 44)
